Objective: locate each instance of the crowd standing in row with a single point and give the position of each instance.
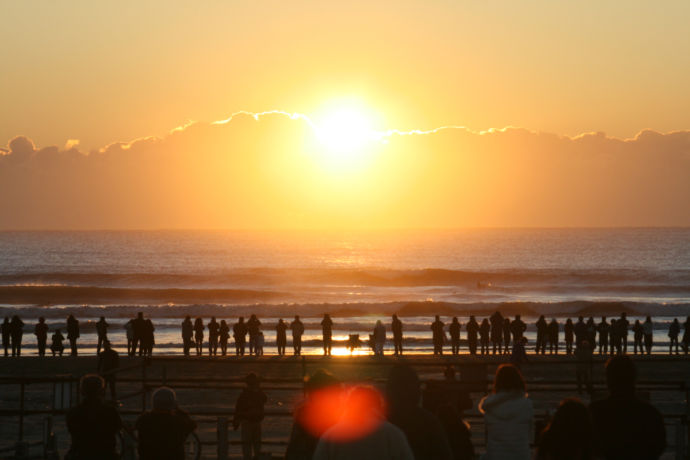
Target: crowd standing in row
(404, 422)
(494, 335)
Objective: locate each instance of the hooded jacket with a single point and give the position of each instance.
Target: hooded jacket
(508, 417)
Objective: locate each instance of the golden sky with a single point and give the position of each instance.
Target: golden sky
(85, 75)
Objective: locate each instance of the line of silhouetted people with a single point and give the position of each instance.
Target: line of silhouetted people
(496, 334)
(405, 421)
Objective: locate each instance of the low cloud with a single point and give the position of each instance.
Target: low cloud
(267, 171)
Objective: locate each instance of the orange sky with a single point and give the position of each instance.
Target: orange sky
(84, 75)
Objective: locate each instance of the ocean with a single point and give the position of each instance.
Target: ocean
(358, 277)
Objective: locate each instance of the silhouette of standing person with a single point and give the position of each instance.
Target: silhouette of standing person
(472, 331)
(213, 328)
(484, 331)
(496, 321)
(603, 329)
(56, 346)
(623, 331)
(623, 426)
(552, 332)
(686, 335)
(542, 327)
(41, 333)
(187, 335)
(397, 329)
(568, 435)
(506, 336)
(102, 333)
(72, 334)
(517, 327)
(297, 329)
(239, 331)
(199, 335)
(327, 331)
(673, 333)
(437, 335)
(148, 338)
(162, 431)
(569, 331)
(108, 363)
(379, 338)
(249, 412)
(638, 336)
(93, 425)
(129, 332)
(281, 337)
(253, 325)
(138, 328)
(16, 333)
(6, 341)
(224, 335)
(454, 331)
(580, 330)
(648, 330)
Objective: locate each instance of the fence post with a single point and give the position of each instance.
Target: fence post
(222, 436)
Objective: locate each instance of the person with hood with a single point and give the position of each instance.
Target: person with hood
(41, 333)
(472, 331)
(568, 436)
(281, 336)
(379, 338)
(224, 335)
(673, 332)
(297, 328)
(518, 328)
(16, 334)
(454, 331)
(162, 431)
(187, 335)
(199, 335)
(424, 432)
(213, 328)
(6, 341)
(508, 415)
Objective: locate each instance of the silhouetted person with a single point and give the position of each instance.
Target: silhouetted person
(623, 324)
(259, 347)
(281, 336)
(648, 330)
(583, 367)
(253, 326)
(305, 434)
(297, 329)
(638, 336)
(129, 333)
(16, 334)
(506, 335)
(56, 346)
(484, 331)
(519, 353)
(542, 327)
(591, 333)
(686, 335)
(454, 331)
(224, 335)
(327, 331)
(552, 333)
(625, 427)
(580, 331)
(148, 338)
(93, 425)
(603, 329)
(101, 333)
(397, 329)
(199, 335)
(457, 432)
(437, 335)
(363, 412)
(568, 436)
(614, 342)
(508, 414)
(41, 333)
(213, 329)
(249, 412)
(569, 332)
(239, 332)
(673, 333)
(517, 327)
(108, 362)
(138, 328)
(423, 430)
(187, 335)
(379, 338)
(496, 321)
(162, 431)
(6, 340)
(472, 332)
(72, 334)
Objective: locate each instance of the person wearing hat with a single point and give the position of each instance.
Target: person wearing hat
(93, 424)
(163, 430)
(249, 412)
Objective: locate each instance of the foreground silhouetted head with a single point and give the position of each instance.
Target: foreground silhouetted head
(140, 315)
(92, 386)
(252, 380)
(403, 385)
(319, 380)
(509, 379)
(621, 375)
(570, 431)
(164, 399)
